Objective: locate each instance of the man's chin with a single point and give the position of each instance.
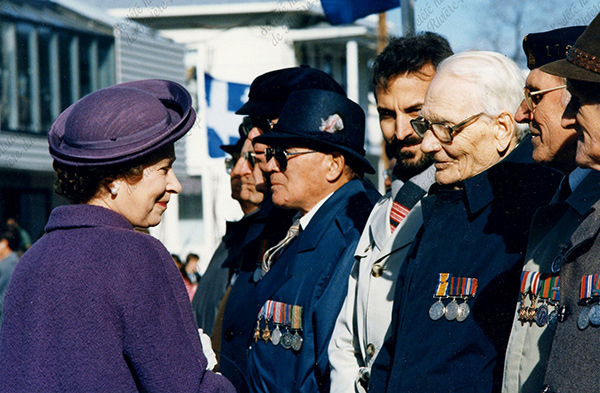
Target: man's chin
(413, 163)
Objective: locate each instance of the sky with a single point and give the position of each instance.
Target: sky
(471, 24)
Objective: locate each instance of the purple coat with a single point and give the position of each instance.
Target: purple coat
(94, 306)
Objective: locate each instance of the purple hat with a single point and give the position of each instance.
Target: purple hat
(121, 123)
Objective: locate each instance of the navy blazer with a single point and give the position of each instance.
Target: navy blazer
(313, 273)
(479, 231)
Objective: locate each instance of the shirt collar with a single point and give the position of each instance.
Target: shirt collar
(305, 219)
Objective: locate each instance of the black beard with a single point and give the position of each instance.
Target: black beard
(406, 167)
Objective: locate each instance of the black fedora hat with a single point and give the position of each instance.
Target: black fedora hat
(121, 123)
(325, 121)
(548, 46)
(269, 92)
(582, 60)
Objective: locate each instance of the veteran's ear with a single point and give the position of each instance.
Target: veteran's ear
(505, 132)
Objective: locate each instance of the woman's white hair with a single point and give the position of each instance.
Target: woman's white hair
(497, 80)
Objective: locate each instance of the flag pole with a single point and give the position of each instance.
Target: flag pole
(407, 7)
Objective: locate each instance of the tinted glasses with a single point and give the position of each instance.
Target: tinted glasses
(532, 99)
(441, 130)
(281, 155)
(249, 122)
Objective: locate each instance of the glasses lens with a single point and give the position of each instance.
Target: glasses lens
(279, 155)
(528, 99)
(246, 125)
(229, 164)
(420, 126)
(249, 156)
(442, 132)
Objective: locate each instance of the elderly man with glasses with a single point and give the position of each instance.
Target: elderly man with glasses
(315, 160)
(573, 360)
(455, 292)
(536, 310)
(268, 95)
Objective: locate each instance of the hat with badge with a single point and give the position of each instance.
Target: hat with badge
(548, 46)
(582, 61)
(121, 123)
(269, 92)
(325, 121)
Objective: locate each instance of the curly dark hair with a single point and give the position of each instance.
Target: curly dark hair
(408, 54)
(80, 184)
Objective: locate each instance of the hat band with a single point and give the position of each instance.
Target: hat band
(148, 133)
(583, 60)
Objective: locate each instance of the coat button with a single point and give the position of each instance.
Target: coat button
(228, 335)
(371, 350)
(377, 270)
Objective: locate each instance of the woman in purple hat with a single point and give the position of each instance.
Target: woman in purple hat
(95, 306)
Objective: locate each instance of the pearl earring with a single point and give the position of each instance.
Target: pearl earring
(114, 190)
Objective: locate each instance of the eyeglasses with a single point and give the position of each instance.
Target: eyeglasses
(442, 131)
(229, 164)
(250, 156)
(281, 155)
(529, 95)
(249, 122)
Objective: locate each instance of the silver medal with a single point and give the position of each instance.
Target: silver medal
(594, 315)
(296, 342)
(276, 335)
(541, 315)
(286, 339)
(583, 320)
(463, 312)
(451, 310)
(257, 274)
(437, 310)
(553, 320)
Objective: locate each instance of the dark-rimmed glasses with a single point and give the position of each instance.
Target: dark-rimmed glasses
(441, 130)
(249, 122)
(250, 156)
(281, 155)
(531, 103)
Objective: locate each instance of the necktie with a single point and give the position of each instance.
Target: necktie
(273, 253)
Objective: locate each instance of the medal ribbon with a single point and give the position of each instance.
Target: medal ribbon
(462, 286)
(535, 283)
(278, 312)
(555, 284)
(287, 317)
(442, 287)
(297, 317)
(269, 311)
(526, 280)
(589, 286)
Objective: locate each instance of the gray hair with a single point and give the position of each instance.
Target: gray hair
(498, 82)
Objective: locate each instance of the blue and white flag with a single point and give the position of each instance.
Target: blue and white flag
(222, 100)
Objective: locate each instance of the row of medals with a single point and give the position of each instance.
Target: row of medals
(286, 339)
(453, 311)
(589, 315)
(540, 315)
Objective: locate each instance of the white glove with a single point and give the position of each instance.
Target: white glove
(207, 349)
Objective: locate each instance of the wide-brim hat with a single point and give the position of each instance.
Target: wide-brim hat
(325, 121)
(582, 60)
(121, 123)
(269, 92)
(548, 46)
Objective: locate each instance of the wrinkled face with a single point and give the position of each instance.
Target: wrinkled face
(260, 174)
(143, 201)
(300, 185)
(583, 115)
(473, 148)
(553, 145)
(397, 106)
(243, 183)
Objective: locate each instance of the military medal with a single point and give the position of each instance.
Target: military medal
(553, 319)
(594, 315)
(297, 326)
(437, 309)
(277, 320)
(286, 337)
(257, 331)
(554, 299)
(463, 311)
(541, 315)
(258, 274)
(268, 311)
(561, 314)
(583, 318)
(451, 310)
(525, 286)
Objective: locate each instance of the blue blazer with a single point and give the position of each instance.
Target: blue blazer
(312, 273)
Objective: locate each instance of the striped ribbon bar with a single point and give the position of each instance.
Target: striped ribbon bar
(589, 285)
(442, 287)
(397, 214)
(462, 286)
